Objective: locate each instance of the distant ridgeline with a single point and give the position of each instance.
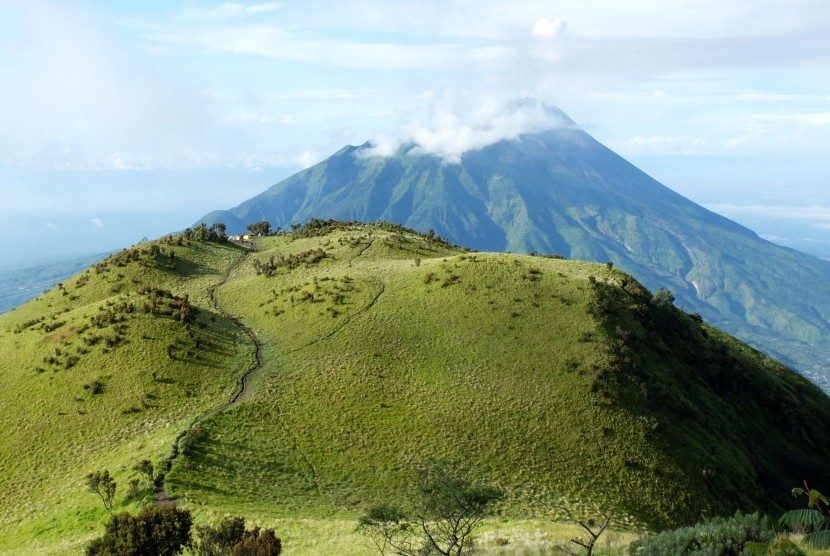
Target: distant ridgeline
(19, 286)
(562, 192)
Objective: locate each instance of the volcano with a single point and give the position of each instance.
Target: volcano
(560, 191)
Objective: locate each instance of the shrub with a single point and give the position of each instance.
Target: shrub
(663, 298)
(217, 540)
(721, 536)
(258, 542)
(95, 387)
(160, 530)
(229, 537)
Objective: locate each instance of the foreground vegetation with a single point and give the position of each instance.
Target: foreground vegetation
(564, 385)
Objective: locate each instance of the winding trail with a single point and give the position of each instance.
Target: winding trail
(243, 382)
(294, 439)
(381, 290)
(346, 321)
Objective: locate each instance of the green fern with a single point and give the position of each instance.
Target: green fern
(819, 540)
(815, 517)
(803, 518)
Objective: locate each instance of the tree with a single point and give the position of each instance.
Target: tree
(102, 484)
(388, 529)
(449, 508)
(200, 233)
(145, 467)
(230, 537)
(593, 529)
(158, 530)
(217, 232)
(664, 298)
(262, 228)
(134, 482)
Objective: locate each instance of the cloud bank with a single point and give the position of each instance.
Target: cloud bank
(455, 126)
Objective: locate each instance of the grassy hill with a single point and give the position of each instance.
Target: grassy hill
(101, 372)
(562, 382)
(561, 191)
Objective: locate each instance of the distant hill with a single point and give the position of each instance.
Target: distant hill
(562, 192)
(366, 349)
(19, 286)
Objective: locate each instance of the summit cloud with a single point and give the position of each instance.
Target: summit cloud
(454, 128)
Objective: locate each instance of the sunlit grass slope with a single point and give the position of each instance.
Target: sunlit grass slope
(102, 371)
(560, 381)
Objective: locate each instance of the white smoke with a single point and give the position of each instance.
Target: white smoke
(455, 125)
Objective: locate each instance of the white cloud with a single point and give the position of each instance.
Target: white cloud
(231, 9)
(97, 222)
(308, 158)
(119, 163)
(249, 118)
(761, 96)
(277, 43)
(73, 85)
(458, 125)
(806, 130)
(545, 28)
(265, 7)
(111, 87)
(788, 118)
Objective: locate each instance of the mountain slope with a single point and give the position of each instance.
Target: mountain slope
(102, 371)
(561, 381)
(562, 192)
(552, 378)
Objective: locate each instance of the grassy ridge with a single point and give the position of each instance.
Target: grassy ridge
(101, 372)
(562, 382)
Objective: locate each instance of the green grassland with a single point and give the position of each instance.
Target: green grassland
(96, 374)
(383, 353)
(564, 383)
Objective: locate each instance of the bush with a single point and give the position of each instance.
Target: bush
(217, 540)
(720, 536)
(258, 542)
(229, 537)
(159, 530)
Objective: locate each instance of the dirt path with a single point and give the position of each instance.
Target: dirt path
(381, 290)
(243, 384)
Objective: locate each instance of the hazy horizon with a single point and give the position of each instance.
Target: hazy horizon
(122, 121)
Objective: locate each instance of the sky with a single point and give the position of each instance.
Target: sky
(126, 120)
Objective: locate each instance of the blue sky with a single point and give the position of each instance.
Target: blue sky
(120, 120)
